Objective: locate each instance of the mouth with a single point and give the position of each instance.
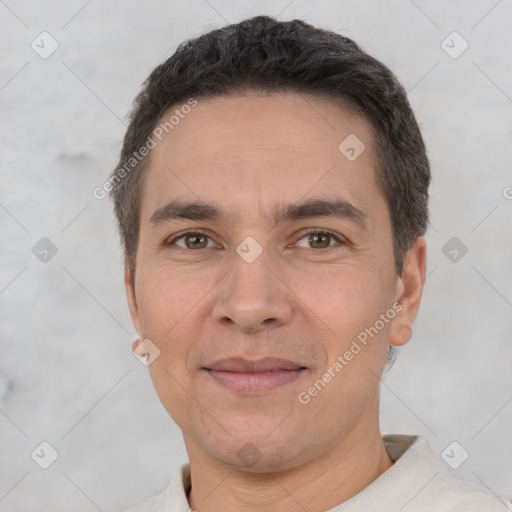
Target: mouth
(252, 377)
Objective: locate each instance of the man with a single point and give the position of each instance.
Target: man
(272, 200)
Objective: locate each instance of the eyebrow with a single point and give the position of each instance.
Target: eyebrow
(338, 208)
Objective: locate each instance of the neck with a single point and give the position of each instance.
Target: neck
(321, 484)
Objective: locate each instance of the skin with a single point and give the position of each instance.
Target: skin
(299, 300)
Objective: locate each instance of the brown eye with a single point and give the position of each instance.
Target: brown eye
(196, 241)
(192, 241)
(319, 240)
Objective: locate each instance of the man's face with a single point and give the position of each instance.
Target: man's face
(292, 260)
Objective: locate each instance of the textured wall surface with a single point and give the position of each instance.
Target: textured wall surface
(68, 376)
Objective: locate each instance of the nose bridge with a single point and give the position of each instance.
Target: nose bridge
(252, 296)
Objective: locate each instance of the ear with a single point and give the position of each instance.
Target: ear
(132, 299)
(409, 291)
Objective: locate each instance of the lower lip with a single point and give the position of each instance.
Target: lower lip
(251, 383)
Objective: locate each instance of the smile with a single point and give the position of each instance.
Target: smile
(255, 382)
(254, 377)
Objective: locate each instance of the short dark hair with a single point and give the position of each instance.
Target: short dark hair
(265, 55)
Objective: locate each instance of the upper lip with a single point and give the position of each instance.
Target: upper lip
(241, 365)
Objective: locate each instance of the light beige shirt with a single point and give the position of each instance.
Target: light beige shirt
(417, 482)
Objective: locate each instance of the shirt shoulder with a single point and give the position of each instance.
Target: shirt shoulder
(442, 491)
(462, 496)
(419, 481)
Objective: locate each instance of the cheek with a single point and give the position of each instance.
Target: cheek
(346, 299)
(168, 305)
(166, 297)
(169, 383)
(355, 340)
(347, 305)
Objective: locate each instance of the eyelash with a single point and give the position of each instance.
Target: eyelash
(334, 235)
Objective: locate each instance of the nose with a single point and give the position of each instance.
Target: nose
(252, 297)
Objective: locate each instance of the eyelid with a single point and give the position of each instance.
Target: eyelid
(171, 240)
(339, 238)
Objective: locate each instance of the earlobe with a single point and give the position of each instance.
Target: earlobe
(409, 291)
(132, 299)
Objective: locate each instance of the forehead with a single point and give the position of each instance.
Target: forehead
(246, 150)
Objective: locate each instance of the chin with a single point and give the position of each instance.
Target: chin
(259, 453)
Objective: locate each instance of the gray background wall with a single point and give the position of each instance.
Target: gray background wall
(68, 376)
